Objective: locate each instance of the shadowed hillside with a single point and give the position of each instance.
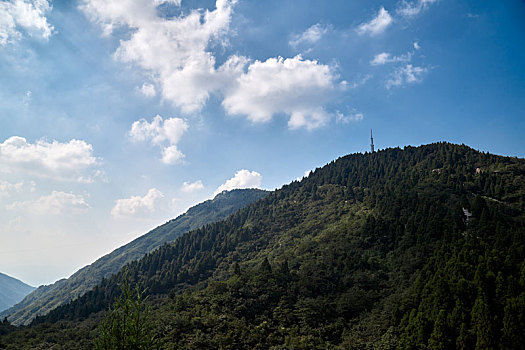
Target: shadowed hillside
(12, 291)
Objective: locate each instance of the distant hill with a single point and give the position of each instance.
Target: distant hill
(12, 291)
(48, 297)
(413, 248)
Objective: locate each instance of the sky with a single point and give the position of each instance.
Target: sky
(118, 115)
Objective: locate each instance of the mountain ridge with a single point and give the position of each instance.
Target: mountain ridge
(48, 297)
(371, 251)
(12, 291)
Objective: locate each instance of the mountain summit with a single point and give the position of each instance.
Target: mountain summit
(371, 251)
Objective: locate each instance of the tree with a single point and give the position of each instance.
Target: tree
(439, 339)
(481, 322)
(127, 325)
(514, 322)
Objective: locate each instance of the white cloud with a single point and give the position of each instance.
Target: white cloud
(161, 132)
(413, 8)
(64, 161)
(416, 45)
(137, 205)
(380, 58)
(171, 155)
(7, 188)
(377, 25)
(242, 179)
(384, 58)
(406, 75)
(293, 86)
(192, 187)
(29, 15)
(306, 174)
(173, 50)
(148, 90)
(176, 54)
(56, 203)
(350, 118)
(309, 36)
(174, 2)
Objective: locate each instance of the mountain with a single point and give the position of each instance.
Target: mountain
(12, 291)
(46, 298)
(414, 248)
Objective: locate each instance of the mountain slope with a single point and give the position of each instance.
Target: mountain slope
(12, 291)
(372, 251)
(46, 298)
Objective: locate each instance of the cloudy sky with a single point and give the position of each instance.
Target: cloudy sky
(117, 115)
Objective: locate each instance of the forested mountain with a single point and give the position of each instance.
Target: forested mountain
(414, 248)
(12, 291)
(46, 298)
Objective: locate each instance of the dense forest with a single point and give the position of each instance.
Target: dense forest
(46, 298)
(414, 248)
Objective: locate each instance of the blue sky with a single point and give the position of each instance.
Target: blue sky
(117, 115)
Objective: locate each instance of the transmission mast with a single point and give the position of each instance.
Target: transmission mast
(371, 142)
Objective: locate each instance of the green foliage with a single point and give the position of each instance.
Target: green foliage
(46, 298)
(372, 251)
(127, 325)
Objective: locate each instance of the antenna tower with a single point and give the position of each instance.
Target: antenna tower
(371, 142)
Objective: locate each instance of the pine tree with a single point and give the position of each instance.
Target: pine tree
(440, 339)
(514, 323)
(481, 322)
(127, 325)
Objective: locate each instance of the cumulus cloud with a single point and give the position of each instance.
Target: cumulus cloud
(159, 130)
(384, 58)
(174, 50)
(377, 25)
(55, 203)
(406, 75)
(137, 205)
(413, 8)
(309, 36)
(176, 54)
(6, 188)
(242, 179)
(148, 90)
(65, 161)
(293, 86)
(171, 155)
(416, 45)
(165, 133)
(28, 15)
(192, 187)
